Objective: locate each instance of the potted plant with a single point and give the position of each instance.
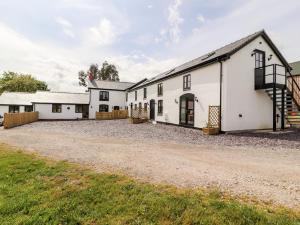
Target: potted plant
(210, 130)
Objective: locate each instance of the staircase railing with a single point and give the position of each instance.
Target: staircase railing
(294, 89)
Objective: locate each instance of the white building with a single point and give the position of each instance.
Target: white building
(106, 96)
(61, 105)
(11, 102)
(225, 78)
(240, 78)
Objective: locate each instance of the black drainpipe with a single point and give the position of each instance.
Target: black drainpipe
(221, 81)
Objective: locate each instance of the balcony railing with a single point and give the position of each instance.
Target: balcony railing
(268, 76)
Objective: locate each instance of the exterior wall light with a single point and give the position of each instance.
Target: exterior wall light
(196, 99)
(270, 57)
(176, 101)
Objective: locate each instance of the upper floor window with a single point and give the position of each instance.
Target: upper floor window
(160, 107)
(145, 93)
(187, 82)
(160, 89)
(259, 59)
(126, 96)
(104, 96)
(56, 108)
(103, 108)
(14, 109)
(135, 95)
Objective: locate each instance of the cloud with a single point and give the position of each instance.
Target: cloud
(175, 20)
(201, 18)
(67, 26)
(149, 6)
(103, 34)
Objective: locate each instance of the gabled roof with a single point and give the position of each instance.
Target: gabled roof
(296, 68)
(109, 85)
(16, 98)
(60, 97)
(214, 56)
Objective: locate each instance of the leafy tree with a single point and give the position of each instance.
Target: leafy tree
(18, 82)
(107, 72)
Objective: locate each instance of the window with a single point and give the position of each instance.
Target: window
(145, 93)
(116, 107)
(160, 89)
(135, 106)
(140, 106)
(135, 95)
(145, 106)
(104, 96)
(28, 108)
(187, 82)
(78, 108)
(103, 108)
(259, 59)
(14, 109)
(160, 107)
(56, 108)
(126, 96)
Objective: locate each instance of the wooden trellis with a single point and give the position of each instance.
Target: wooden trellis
(139, 113)
(214, 116)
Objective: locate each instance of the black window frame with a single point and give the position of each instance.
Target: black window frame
(104, 96)
(126, 97)
(56, 108)
(145, 106)
(160, 107)
(260, 58)
(106, 108)
(135, 95)
(145, 93)
(12, 108)
(78, 108)
(187, 82)
(26, 107)
(160, 91)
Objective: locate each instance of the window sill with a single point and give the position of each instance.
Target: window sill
(159, 95)
(101, 100)
(186, 89)
(159, 114)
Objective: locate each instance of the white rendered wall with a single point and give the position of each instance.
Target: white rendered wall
(45, 112)
(204, 85)
(239, 96)
(3, 109)
(116, 98)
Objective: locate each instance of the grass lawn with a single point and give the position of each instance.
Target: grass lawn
(39, 191)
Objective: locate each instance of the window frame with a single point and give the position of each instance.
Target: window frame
(187, 82)
(26, 108)
(78, 106)
(12, 108)
(260, 62)
(104, 96)
(56, 108)
(160, 107)
(135, 95)
(106, 108)
(145, 93)
(160, 91)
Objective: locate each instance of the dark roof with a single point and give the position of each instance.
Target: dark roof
(214, 56)
(109, 85)
(296, 68)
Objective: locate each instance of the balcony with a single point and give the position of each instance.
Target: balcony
(270, 76)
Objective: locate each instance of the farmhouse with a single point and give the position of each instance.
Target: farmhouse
(244, 85)
(106, 96)
(240, 79)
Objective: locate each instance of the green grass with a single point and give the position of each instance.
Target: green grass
(38, 191)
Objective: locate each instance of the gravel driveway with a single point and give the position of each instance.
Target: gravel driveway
(265, 165)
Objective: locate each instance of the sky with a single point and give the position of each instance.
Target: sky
(54, 39)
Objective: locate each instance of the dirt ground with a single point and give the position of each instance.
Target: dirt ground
(263, 165)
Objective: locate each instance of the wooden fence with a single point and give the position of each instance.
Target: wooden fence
(17, 119)
(114, 115)
(139, 114)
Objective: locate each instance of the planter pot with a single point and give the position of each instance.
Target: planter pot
(210, 130)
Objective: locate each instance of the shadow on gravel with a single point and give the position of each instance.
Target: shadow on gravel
(287, 135)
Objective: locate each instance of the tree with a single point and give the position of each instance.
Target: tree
(18, 82)
(107, 72)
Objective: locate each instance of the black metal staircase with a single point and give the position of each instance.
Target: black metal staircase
(284, 91)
